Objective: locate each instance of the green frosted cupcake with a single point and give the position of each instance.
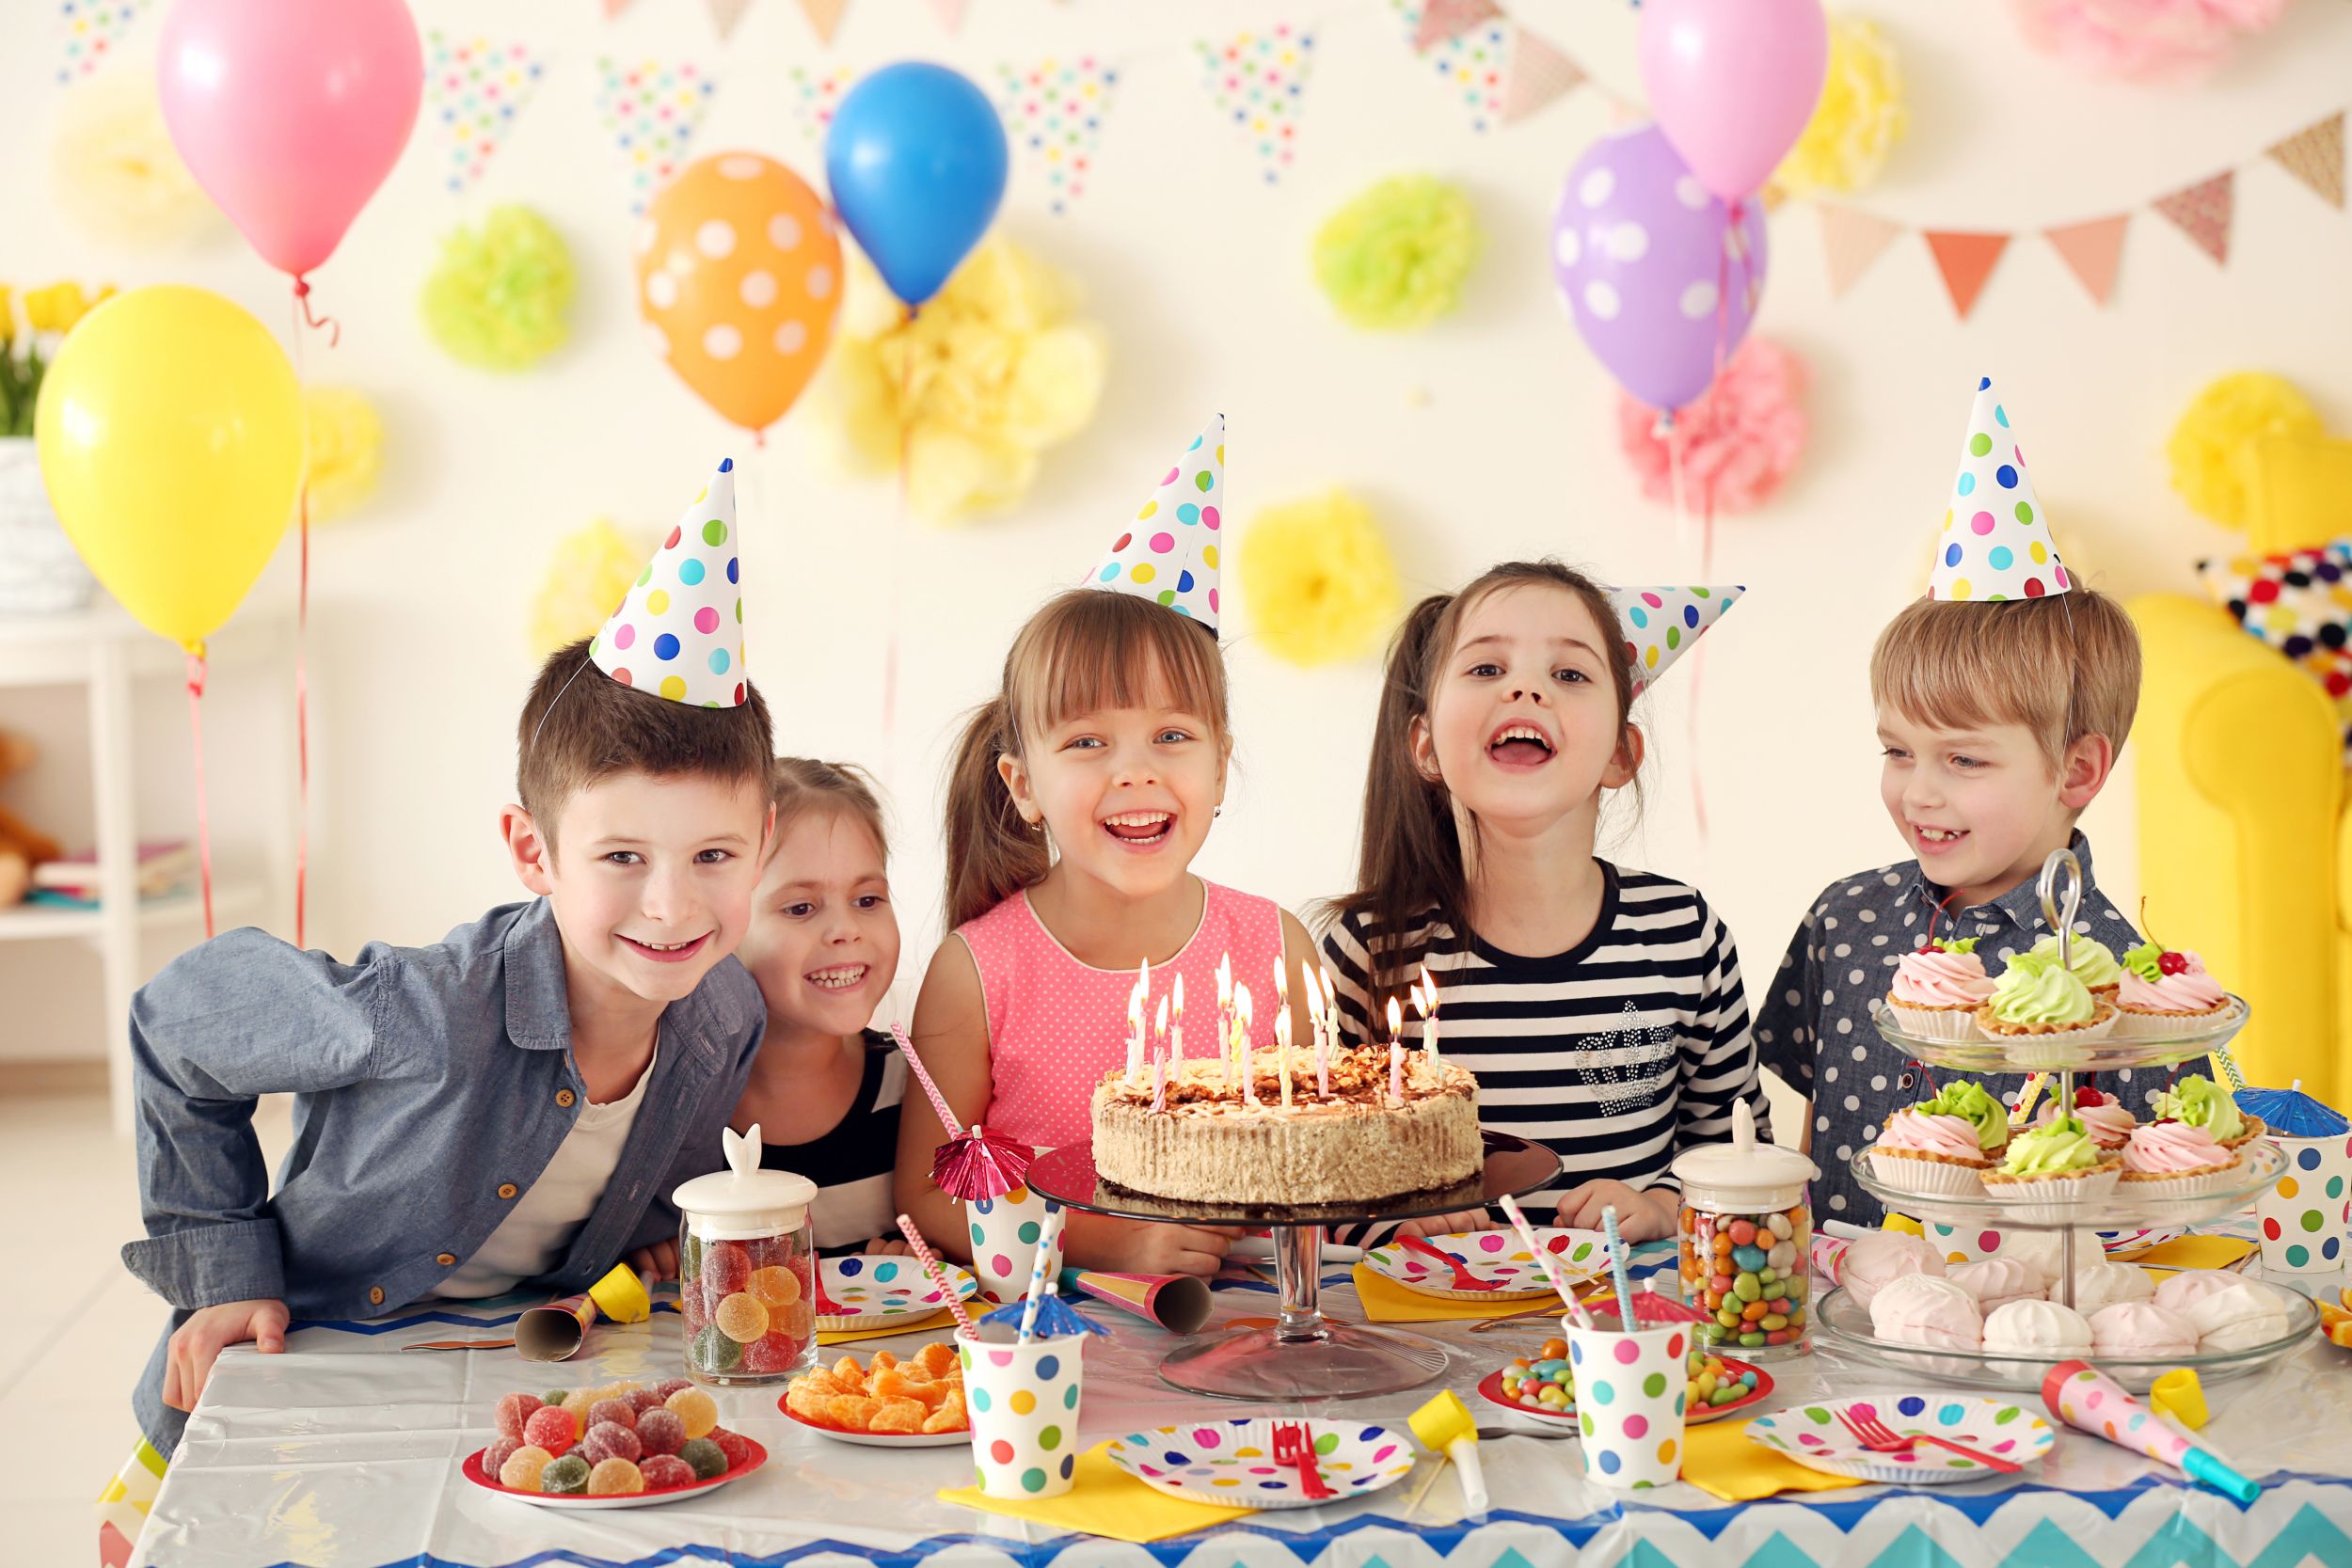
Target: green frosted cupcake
(2095, 963)
(2050, 1172)
(2042, 1013)
(2205, 1104)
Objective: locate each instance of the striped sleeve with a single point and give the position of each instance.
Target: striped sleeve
(1350, 962)
(1719, 1066)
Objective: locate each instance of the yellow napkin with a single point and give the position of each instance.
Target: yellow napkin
(1105, 1500)
(1719, 1458)
(850, 1336)
(2194, 1252)
(1386, 1302)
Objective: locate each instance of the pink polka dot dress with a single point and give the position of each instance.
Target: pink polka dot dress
(1056, 1026)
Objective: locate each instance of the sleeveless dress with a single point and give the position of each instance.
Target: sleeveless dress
(1056, 1026)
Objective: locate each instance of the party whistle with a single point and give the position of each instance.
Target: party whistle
(2086, 1398)
(1176, 1301)
(1445, 1426)
(556, 1331)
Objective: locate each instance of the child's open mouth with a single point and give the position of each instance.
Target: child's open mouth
(667, 953)
(840, 977)
(1521, 745)
(1936, 840)
(1141, 830)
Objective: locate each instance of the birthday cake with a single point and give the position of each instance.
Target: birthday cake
(1201, 1140)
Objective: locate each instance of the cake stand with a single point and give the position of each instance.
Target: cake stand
(1304, 1355)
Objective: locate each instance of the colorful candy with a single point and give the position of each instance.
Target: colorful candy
(659, 1431)
(616, 1478)
(775, 1287)
(739, 1294)
(742, 1317)
(734, 1445)
(665, 1470)
(708, 1459)
(523, 1467)
(552, 1429)
(642, 1400)
(610, 1440)
(617, 1411)
(698, 1410)
(565, 1476)
(1748, 1273)
(1544, 1381)
(712, 1352)
(613, 1458)
(513, 1411)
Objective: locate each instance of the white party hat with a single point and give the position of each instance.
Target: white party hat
(679, 632)
(1168, 554)
(1995, 543)
(1661, 624)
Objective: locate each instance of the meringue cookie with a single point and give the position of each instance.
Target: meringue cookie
(2104, 1285)
(2239, 1317)
(1996, 1282)
(2142, 1331)
(1877, 1261)
(2184, 1291)
(1926, 1309)
(2037, 1328)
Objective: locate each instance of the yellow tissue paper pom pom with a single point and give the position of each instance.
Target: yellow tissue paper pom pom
(1317, 579)
(2217, 431)
(347, 450)
(1394, 258)
(587, 578)
(987, 376)
(500, 296)
(1858, 119)
(115, 171)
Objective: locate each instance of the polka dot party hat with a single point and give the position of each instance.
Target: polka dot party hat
(1661, 624)
(1168, 552)
(1995, 543)
(679, 631)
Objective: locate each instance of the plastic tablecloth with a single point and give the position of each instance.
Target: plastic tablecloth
(345, 1453)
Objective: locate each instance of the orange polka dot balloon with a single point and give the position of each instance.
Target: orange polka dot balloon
(739, 274)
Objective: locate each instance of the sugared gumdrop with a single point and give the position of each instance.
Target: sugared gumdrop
(551, 1427)
(697, 1409)
(734, 1445)
(614, 1478)
(610, 1440)
(565, 1476)
(661, 1431)
(665, 1470)
(617, 1410)
(513, 1411)
(521, 1473)
(741, 1318)
(707, 1457)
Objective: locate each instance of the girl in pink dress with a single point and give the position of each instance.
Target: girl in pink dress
(1079, 796)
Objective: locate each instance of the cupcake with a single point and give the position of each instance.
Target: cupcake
(1973, 1104)
(2199, 1101)
(1996, 1282)
(2171, 1159)
(1937, 990)
(2093, 963)
(2166, 993)
(2042, 1013)
(2049, 1172)
(1927, 1154)
(2141, 1331)
(2110, 1124)
(2046, 1328)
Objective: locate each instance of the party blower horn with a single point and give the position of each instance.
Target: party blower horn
(1176, 1301)
(2084, 1397)
(556, 1331)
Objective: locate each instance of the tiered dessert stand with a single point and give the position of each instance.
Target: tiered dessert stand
(1303, 1356)
(1845, 1324)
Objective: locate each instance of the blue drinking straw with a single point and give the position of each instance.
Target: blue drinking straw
(1617, 1270)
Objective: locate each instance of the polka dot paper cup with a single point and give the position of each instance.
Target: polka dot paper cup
(1022, 1400)
(1630, 1394)
(1004, 1233)
(2307, 1218)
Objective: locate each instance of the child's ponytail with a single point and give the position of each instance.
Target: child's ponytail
(992, 853)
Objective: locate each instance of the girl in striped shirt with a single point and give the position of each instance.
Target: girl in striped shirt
(1599, 1007)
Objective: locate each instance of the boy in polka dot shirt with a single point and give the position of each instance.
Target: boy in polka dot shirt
(1999, 723)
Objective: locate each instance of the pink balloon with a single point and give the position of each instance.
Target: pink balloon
(1732, 83)
(291, 112)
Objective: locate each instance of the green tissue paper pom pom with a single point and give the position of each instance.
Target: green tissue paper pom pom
(1394, 258)
(500, 294)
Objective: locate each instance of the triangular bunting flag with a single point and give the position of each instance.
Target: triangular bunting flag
(92, 28)
(951, 14)
(1258, 81)
(1966, 259)
(615, 8)
(1661, 624)
(473, 91)
(1468, 60)
(2202, 213)
(2315, 156)
(1450, 19)
(1995, 542)
(2090, 252)
(724, 14)
(651, 112)
(1850, 241)
(816, 94)
(1534, 74)
(1167, 552)
(825, 16)
(1054, 117)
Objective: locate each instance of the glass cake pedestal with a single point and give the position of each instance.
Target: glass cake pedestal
(1304, 1355)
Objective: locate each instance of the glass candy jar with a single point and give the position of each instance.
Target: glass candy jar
(1745, 1239)
(747, 1263)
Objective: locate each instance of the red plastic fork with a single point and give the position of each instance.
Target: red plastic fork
(1878, 1437)
(1295, 1446)
(1463, 1278)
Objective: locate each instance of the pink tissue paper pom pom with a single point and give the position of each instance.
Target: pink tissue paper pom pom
(2143, 40)
(1739, 441)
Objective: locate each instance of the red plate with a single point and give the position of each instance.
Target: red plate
(1490, 1387)
(474, 1472)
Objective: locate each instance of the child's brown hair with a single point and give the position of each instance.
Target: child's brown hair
(580, 726)
(1085, 649)
(2064, 666)
(798, 785)
(1411, 860)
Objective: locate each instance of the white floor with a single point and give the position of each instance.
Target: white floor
(79, 1327)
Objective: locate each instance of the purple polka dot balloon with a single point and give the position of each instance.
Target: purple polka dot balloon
(1646, 258)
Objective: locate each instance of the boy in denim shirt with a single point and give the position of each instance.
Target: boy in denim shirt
(2002, 700)
(514, 1104)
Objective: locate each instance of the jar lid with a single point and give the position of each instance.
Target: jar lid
(750, 1201)
(1742, 1174)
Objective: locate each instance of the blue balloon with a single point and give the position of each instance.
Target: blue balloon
(916, 157)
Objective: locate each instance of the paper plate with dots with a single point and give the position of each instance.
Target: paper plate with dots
(877, 1291)
(1495, 1256)
(1231, 1464)
(1812, 1434)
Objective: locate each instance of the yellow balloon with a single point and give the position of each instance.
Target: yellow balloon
(171, 440)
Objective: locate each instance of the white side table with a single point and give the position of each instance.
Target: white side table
(104, 651)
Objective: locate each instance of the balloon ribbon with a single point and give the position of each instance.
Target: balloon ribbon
(203, 816)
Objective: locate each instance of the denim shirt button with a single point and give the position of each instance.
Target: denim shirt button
(376, 1295)
(565, 1098)
(506, 1189)
(445, 1259)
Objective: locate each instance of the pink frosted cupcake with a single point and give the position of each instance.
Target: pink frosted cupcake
(2109, 1123)
(1934, 1155)
(2171, 1159)
(1937, 990)
(2166, 993)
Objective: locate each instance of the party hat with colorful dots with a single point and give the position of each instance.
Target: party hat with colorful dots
(679, 633)
(1661, 624)
(1995, 543)
(1169, 552)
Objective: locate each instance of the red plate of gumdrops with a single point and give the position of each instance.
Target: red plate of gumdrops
(473, 1472)
(1490, 1387)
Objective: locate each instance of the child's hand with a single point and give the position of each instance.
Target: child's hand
(1448, 1224)
(1175, 1248)
(198, 1343)
(888, 1246)
(659, 1260)
(1642, 1217)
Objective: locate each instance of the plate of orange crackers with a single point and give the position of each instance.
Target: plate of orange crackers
(887, 1403)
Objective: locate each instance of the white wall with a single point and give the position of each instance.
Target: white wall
(1490, 435)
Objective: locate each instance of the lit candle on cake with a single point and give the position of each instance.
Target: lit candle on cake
(1224, 1007)
(1323, 1047)
(1159, 1081)
(1135, 1040)
(1331, 1009)
(1241, 1030)
(1426, 1000)
(1159, 1028)
(1396, 1051)
(1282, 1051)
(1176, 1034)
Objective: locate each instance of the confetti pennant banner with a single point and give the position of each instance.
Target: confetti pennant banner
(1469, 55)
(824, 17)
(1054, 114)
(1966, 260)
(90, 29)
(2091, 251)
(724, 14)
(815, 96)
(2315, 155)
(1258, 81)
(2202, 213)
(1535, 75)
(474, 91)
(651, 112)
(1850, 241)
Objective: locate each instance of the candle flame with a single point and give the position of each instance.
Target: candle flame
(1396, 1019)
(1161, 1024)
(1281, 980)
(1179, 996)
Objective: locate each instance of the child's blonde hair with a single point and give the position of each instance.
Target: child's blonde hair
(2064, 666)
(798, 786)
(1083, 651)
